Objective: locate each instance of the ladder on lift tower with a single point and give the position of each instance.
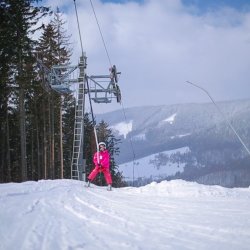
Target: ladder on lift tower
(77, 163)
(77, 156)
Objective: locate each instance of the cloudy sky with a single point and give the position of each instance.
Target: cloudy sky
(158, 45)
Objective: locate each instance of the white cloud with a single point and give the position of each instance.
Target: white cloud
(159, 45)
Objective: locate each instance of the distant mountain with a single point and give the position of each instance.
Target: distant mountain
(213, 148)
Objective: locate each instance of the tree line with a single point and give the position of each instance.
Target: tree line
(36, 123)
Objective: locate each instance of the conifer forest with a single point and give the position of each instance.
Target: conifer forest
(36, 123)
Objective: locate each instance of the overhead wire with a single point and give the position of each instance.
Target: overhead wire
(130, 141)
(131, 144)
(108, 56)
(104, 44)
(99, 27)
(78, 25)
(222, 114)
(94, 125)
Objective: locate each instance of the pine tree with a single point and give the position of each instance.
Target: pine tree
(63, 54)
(5, 58)
(19, 18)
(68, 133)
(53, 50)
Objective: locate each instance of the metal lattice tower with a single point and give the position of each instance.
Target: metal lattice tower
(102, 89)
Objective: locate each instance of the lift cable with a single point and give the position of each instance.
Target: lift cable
(225, 118)
(79, 31)
(96, 139)
(104, 44)
(99, 27)
(132, 147)
(131, 143)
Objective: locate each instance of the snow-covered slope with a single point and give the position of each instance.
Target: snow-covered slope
(148, 167)
(200, 127)
(158, 128)
(64, 215)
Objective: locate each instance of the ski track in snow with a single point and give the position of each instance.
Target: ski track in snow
(63, 214)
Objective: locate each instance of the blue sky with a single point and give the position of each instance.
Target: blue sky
(158, 45)
(203, 5)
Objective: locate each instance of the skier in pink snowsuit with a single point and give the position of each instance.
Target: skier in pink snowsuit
(101, 161)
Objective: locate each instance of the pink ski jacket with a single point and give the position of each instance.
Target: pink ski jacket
(104, 158)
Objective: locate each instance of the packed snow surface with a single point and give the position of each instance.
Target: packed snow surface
(65, 215)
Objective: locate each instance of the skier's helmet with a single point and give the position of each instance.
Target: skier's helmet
(102, 144)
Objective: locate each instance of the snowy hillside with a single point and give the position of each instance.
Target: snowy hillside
(148, 168)
(214, 149)
(158, 128)
(64, 215)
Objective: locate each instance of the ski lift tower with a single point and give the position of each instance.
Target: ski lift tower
(101, 89)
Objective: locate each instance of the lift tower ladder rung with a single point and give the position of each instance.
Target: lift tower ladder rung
(78, 135)
(77, 156)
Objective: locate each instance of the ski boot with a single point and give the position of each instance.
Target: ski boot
(109, 188)
(87, 184)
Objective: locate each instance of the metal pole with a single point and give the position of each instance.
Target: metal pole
(94, 124)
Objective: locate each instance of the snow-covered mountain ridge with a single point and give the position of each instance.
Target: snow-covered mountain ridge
(214, 148)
